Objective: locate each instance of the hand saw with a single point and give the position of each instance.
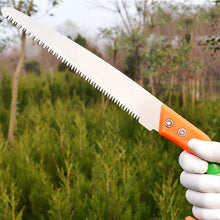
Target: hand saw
(143, 106)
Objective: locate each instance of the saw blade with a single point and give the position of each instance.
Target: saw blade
(111, 82)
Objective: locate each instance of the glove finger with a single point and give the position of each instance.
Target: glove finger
(207, 150)
(192, 164)
(206, 214)
(203, 200)
(200, 182)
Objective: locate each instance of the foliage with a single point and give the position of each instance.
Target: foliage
(81, 40)
(32, 66)
(27, 7)
(212, 43)
(112, 36)
(62, 67)
(5, 101)
(159, 48)
(72, 160)
(133, 45)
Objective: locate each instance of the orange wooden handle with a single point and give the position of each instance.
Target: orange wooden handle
(178, 130)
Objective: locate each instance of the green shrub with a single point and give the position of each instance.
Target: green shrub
(32, 66)
(73, 160)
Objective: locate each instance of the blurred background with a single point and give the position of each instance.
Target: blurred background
(131, 36)
(66, 152)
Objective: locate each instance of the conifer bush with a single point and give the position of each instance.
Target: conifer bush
(73, 160)
(32, 66)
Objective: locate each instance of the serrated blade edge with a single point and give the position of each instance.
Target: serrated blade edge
(118, 87)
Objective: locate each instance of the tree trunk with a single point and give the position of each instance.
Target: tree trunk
(183, 87)
(203, 86)
(152, 84)
(105, 101)
(190, 86)
(193, 90)
(211, 85)
(51, 72)
(171, 89)
(141, 81)
(197, 89)
(15, 90)
(175, 85)
(183, 90)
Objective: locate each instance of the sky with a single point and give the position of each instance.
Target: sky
(83, 13)
(86, 15)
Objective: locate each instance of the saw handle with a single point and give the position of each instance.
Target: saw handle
(177, 129)
(190, 218)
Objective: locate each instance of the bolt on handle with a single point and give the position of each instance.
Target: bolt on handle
(177, 129)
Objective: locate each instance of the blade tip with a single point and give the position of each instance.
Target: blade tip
(5, 11)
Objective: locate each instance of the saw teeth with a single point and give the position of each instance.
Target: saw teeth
(72, 66)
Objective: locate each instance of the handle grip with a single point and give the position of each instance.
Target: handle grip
(177, 129)
(190, 218)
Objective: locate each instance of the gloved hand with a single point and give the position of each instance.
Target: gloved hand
(203, 189)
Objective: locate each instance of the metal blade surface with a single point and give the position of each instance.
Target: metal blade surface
(115, 85)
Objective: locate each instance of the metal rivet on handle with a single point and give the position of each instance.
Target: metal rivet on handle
(182, 132)
(169, 123)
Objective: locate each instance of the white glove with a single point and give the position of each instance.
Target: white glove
(203, 189)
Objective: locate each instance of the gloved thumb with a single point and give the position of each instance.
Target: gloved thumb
(207, 150)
